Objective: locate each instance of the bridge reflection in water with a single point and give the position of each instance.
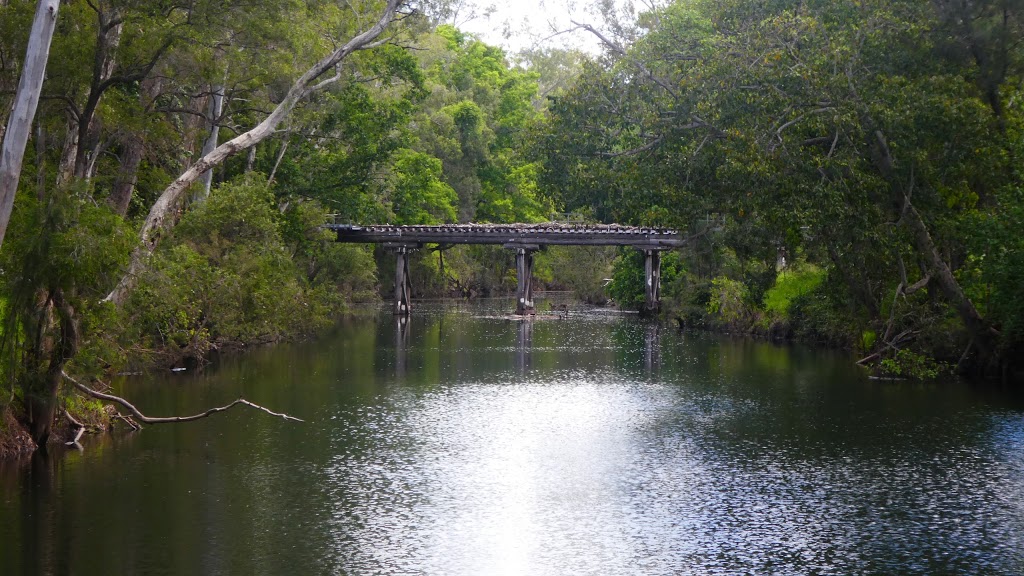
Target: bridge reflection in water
(403, 327)
(651, 339)
(525, 341)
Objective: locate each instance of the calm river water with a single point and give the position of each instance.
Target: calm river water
(469, 444)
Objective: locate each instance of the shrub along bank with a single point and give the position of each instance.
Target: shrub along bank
(238, 271)
(798, 302)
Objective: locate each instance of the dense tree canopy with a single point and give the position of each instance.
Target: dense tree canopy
(877, 139)
(847, 170)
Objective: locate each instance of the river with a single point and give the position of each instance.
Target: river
(465, 443)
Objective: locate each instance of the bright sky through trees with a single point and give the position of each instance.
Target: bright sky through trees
(530, 23)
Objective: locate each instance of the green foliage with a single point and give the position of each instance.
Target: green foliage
(629, 276)
(826, 315)
(88, 411)
(627, 285)
(728, 301)
(227, 277)
(362, 129)
(556, 68)
(58, 258)
(345, 270)
(240, 213)
(66, 243)
(908, 364)
(582, 269)
(797, 125)
(475, 118)
(418, 195)
(790, 284)
(868, 339)
(994, 271)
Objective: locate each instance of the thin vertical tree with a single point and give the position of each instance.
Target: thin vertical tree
(19, 126)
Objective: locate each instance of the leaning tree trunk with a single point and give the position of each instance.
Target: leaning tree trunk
(19, 125)
(980, 332)
(161, 216)
(978, 329)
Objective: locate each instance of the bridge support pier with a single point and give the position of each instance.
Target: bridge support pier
(524, 277)
(524, 281)
(403, 284)
(652, 280)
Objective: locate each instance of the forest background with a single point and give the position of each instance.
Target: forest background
(847, 172)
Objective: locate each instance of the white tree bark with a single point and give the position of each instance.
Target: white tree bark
(214, 109)
(161, 216)
(19, 125)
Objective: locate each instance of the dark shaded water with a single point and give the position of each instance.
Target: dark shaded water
(470, 444)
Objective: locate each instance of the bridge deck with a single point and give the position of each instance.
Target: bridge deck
(512, 234)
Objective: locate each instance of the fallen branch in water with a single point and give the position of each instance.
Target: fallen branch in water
(170, 419)
(128, 420)
(867, 359)
(75, 423)
(78, 436)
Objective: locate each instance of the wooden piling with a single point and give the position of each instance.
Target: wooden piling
(524, 281)
(403, 284)
(652, 284)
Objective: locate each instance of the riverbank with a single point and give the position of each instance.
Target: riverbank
(15, 441)
(910, 337)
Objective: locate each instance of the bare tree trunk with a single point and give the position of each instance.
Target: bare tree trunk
(93, 157)
(40, 162)
(277, 162)
(250, 161)
(162, 215)
(66, 165)
(108, 38)
(214, 109)
(19, 125)
(62, 338)
(171, 419)
(121, 193)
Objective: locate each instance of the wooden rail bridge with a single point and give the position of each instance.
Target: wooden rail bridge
(524, 239)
